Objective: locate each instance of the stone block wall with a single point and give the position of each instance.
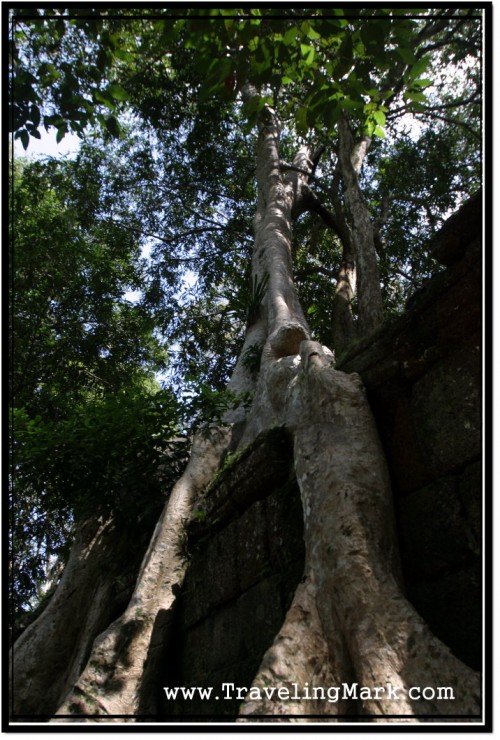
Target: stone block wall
(246, 560)
(423, 377)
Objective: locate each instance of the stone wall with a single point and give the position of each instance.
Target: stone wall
(247, 557)
(423, 378)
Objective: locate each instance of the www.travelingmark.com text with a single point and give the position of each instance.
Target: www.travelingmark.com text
(294, 692)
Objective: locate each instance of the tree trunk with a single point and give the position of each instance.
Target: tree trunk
(371, 630)
(343, 326)
(349, 621)
(370, 306)
(119, 676)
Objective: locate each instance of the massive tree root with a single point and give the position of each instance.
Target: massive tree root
(353, 591)
(119, 678)
(349, 624)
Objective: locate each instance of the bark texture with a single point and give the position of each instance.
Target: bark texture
(61, 638)
(370, 306)
(343, 326)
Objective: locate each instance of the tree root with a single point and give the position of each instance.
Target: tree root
(125, 657)
(355, 602)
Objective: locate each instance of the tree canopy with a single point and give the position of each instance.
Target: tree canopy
(160, 200)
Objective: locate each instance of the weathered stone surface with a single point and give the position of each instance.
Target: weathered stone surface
(252, 557)
(445, 312)
(452, 607)
(284, 526)
(391, 406)
(434, 531)
(446, 406)
(460, 229)
(243, 573)
(255, 471)
(470, 483)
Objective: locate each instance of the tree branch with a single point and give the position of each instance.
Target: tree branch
(170, 239)
(452, 121)
(313, 203)
(396, 270)
(475, 98)
(308, 173)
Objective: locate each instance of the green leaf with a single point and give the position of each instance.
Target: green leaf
(373, 34)
(112, 126)
(35, 115)
(125, 56)
(418, 68)
(35, 132)
(312, 34)
(290, 36)
(309, 31)
(61, 133)
(301, 120)
(377, 131)
(25, 138)
(423, 82)
(253, 44)
(418, 97)
(104, 97)
(406, 54)
(379, 117)
(345, 58)
(308, 52)
(117, 91)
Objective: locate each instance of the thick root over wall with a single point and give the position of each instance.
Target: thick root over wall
(360, 627)
(349, 622)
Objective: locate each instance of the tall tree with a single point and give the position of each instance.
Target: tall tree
(316, 91)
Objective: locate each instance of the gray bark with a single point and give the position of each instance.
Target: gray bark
(125, 658)
(352, 565)
(370, 306)
(343, 326)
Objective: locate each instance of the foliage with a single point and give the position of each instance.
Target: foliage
(315, 65)
(89, 422)
(72, 62)
(111, 454)
(252, 358)
(71, 326)
(408, 209)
